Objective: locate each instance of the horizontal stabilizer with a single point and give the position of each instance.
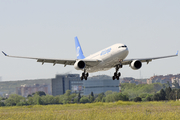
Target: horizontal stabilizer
(4, 53)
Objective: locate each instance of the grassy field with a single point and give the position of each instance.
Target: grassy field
(97, 111)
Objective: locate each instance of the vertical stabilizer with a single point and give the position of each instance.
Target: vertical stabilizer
(79, 52)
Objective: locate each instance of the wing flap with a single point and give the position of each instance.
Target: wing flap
(56, 61)
(89, 62)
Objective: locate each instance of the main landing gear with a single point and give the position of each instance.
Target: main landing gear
(117, 74)
(84, 75)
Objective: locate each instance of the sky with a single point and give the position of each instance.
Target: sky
(46, 29)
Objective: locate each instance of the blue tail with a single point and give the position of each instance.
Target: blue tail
(78, 49)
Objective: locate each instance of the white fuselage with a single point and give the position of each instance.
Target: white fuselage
(109, 56)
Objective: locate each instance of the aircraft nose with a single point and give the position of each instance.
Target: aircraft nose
(126, 50)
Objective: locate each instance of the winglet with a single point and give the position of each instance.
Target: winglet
(177, 53)
(4, 53)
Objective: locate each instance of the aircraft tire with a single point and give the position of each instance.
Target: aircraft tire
(115, 74)
(87, 74)
(119, 74)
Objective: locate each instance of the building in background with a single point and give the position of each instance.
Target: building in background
(96, 84)
(26, 90)
(162, 79)
(61, 83)
(175, 80)
(77, 87)
(100, 85)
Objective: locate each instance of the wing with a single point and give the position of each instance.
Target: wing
(128, 61)
(89, 63)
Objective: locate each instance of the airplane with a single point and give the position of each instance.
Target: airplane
(110, 57)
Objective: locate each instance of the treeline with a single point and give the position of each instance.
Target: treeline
(133, 90)
(164, 94)
(130, 92)
(40, 98)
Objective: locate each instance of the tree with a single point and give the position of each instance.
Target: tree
(91, 97)
(156, 97)
(68, 93)
(2, 104)
(84, 99)
(178, 93)
(40, 93)
(10, 102)
(30, 101)
(39, 101)
(79, 97)
(29, 96)
(14, 99)
(137, 99)
(73, 96)
(99, 98)
(110, 98)
(108, 92)
(148, 98)
(172, 95)
(143, 95)
(168, 91)
(92, 94)
(116, 97)
(66, 98)
(76, 100)
(36, 99)
(162, 95)
(168, 84)
(120, 96)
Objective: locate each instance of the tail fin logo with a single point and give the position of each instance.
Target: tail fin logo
(78, 48)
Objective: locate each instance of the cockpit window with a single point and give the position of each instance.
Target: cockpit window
(122, 46)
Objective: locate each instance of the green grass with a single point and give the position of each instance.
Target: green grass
(98, 111)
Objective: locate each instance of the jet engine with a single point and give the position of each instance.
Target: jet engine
(136, 64)
(79, 65)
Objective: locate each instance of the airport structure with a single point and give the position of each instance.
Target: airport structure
(100, 85)
(73, 82)
(61, 83)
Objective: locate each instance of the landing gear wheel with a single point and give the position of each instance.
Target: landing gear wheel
(84, 75)
(81, 77)
(119, 74)
(87, 74)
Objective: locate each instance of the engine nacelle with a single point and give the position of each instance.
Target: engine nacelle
(136, 64)
(79, 65)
